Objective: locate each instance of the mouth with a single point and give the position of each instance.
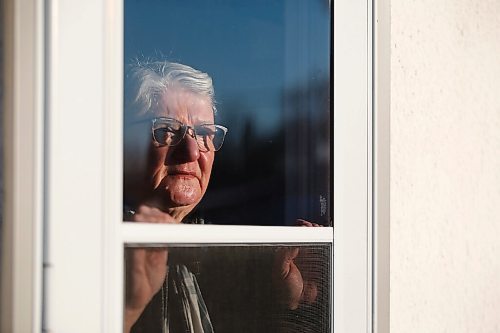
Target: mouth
(181, 173)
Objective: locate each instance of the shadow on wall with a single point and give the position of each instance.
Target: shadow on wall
(1, 126)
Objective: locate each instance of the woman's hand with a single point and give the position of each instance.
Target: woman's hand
(146, 269)
(294, 274)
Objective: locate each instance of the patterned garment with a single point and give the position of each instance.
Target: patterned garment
(184, 306)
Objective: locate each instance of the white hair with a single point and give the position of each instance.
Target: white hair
(152, 78)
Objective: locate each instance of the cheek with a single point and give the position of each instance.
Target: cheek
(156, 162)
(206, 162)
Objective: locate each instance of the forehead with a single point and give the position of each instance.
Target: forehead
(185, 105)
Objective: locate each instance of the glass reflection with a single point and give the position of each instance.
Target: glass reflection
(265, 288)
(270, 64)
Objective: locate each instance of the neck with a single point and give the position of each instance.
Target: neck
(179, 213)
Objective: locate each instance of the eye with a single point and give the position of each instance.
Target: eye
(204, 136)
(170, 126)
(163, 136)
(205, 131)
(167, 132)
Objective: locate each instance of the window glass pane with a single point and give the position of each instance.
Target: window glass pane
(269, 62)
(259, 288)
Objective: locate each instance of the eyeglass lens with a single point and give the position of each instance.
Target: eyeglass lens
(170, 133)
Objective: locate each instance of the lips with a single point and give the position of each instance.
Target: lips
(182, 173)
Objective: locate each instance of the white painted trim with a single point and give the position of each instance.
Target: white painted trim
(85, 234)
(369, 167)
(381, 172)
(221, 234)
(75, 176)
(112, 243)
(352, 166)
(23, 166)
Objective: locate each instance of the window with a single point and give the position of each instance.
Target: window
(270, 66)
(83, 183)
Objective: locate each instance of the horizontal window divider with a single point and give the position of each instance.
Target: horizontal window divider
(154, 233)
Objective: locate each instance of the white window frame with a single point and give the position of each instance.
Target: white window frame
(65, 73)
(21, 271)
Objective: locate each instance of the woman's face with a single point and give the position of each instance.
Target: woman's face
(179, 174)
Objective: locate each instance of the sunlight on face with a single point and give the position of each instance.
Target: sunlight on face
(180, 174)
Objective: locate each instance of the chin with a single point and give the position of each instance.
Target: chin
(183, 202)
(185, 199)
(182, 191)
(181, 206)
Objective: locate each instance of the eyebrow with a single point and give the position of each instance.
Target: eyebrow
(199, 121)
(150, 119)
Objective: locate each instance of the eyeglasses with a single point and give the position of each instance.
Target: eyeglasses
(170, 132)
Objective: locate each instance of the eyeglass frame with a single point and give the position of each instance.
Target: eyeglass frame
(185, 128)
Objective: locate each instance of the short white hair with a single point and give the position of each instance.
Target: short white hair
(152, 78)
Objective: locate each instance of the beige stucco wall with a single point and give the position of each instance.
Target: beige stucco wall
(445, 166)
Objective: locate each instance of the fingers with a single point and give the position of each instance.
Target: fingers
(150, 214)
(146, 271)
(287, 278)
(304, 223)
(146, 267)
(294, 274)
(284, 259)
(310, 292)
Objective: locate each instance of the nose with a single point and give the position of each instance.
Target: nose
(187, 150)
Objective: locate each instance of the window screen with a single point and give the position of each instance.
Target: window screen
(251, 288)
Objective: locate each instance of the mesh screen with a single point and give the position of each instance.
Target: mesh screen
(265, 288)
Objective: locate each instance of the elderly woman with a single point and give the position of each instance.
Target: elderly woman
(176, 102)
(170, 144)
